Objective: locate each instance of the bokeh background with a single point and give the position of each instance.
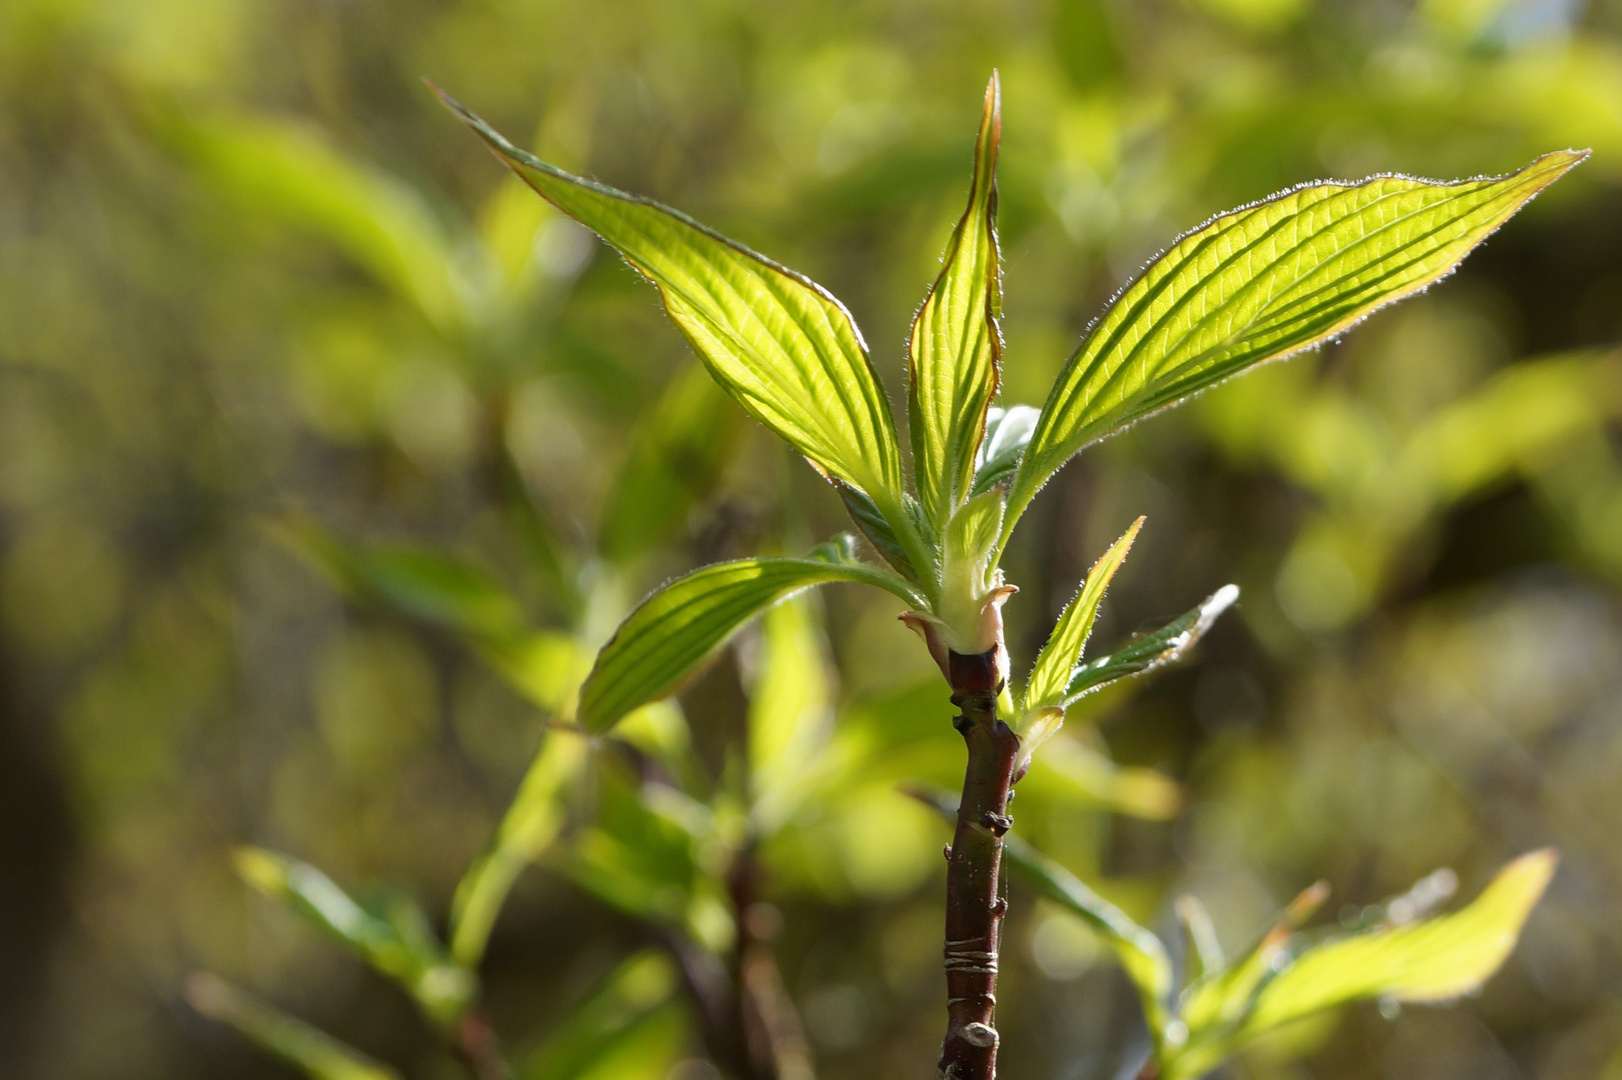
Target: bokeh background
(250, 269)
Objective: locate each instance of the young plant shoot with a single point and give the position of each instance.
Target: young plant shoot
(1259, 283)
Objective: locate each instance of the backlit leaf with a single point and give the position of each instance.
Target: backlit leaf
(313, 1052)
(955, 346)
(1260, 283)
(777, 342)
(674, 631)
(1434, 960)
(1059, 657)
(1152, 650)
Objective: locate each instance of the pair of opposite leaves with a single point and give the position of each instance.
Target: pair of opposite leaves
(1256, 284)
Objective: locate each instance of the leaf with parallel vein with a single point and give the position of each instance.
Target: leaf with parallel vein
(955, 346)
(1261, 283)
(674, 631)
(780, 344)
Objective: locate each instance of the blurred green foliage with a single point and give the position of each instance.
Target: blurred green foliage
(251, 274)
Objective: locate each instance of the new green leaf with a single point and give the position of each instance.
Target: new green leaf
(776, 341)
(1059, 657)
(1260, 283)
(1151, 650)
(1435, 960)
(955, 346)
(670, 635)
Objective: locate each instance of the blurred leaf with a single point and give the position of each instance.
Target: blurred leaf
(1219, 999)
(790, 705)
(1515, 420)
(646, 854)
(312, 1052)
(527, 829)
(1261, 283)
(595, 1031)
(1008, 431)
(288, 170)
(670, 635)
(778, 343)
(416, 963)
(955, 346)
(676, 458)
(433, 586)
(1085, 775)
(1205, 955)
(1057, 661)
(545, 666)
(1150, 651)
(1433, 960)
(442, 589)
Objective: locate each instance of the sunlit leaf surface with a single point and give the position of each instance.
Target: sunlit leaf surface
(1260, 283)
(779, 343)
(955, 345)
(1434, 960)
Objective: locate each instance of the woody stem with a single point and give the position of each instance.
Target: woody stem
(974, 904)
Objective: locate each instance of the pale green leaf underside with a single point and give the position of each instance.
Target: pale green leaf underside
(955, 345)
(1261, 283)
(1151, 650)
(1059, 657)
(1008, 432)
(1435, 960)
(777, 342)
(672, 633)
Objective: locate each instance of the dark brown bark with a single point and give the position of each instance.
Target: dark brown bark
(974, 901)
